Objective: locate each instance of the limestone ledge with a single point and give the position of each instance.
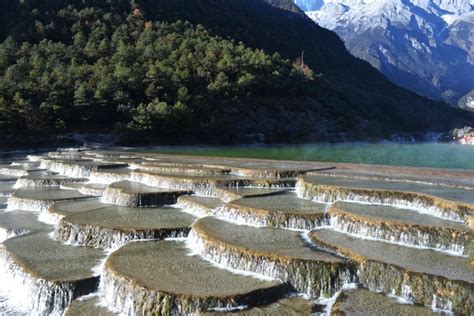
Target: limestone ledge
(429, 204)
(451, 295)
(441, 238)
(131, 295)
(314, 277)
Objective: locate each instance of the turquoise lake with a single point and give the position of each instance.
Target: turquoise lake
(439, 155)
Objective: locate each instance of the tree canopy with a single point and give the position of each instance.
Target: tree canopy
(169, 70)
(119, 70)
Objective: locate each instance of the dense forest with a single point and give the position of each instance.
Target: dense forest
(167, 71)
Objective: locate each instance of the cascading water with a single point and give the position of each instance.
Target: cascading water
(106, 238)
(446, 240)
(10, 233)
(52, 181)
(18, 203)
(313, 278)
(378, 277)
(49, 218)
(118, 197)
(14, 172)
(133, 298)
(65, 169)
(316, 279)
(413, 201)
(28, 294)
(108, 178)
(124, 194)
(119, 293)
(272, 219)
(193, 208)
(205, 188)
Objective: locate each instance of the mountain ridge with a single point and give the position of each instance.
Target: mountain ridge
(423, 45)
(107, 74)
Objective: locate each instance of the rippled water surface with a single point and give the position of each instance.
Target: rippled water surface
(417, 155)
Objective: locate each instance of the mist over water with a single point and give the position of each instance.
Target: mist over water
(437, 155)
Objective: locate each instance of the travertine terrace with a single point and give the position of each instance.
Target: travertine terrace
(109, 232)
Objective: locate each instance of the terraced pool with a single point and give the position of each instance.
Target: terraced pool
(437, 155)
(107, 232)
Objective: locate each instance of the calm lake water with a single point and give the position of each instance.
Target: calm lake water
(418, 155)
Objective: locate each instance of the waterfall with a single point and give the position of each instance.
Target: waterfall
(206, 186)
(116, 195)
(201, 187)
(68, 168)
(264, 173)
(64, 168)
(272, 219)
(17, 203)
(414, 201)
(22, 182)
(238, 217)
(194, 208)
(182, 169)
(10, 233)
(87, 189)
(436, 292)
(329, 302)
(225, 195)
(442, 305)
(109, 238)
(314, 278)
(108, 178)
(13, 172)
(403, 180)
(29, 294)
(442, 239)
(131, 299)
(49, 218)
(26, 163)
(35, 158)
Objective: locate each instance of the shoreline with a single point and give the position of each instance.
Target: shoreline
(73, 139)
(419, 155)
(391, 154)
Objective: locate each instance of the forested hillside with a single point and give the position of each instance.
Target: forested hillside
(188, 71)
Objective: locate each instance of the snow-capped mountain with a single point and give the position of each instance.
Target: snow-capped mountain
(424, 45)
